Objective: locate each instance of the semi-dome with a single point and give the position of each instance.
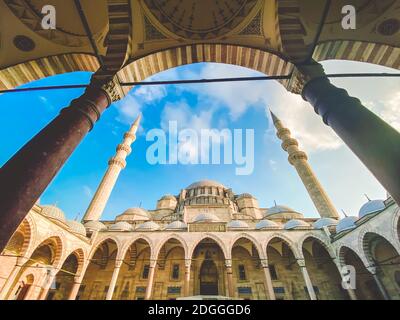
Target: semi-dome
(347, 223)
(205, 183)
(176, 225)
(148, 226)
(296, 224)
(267, 224)
(94, 226)
(237, 224)
(324, 222)
(370, 207)
(53, 212)
(133, 214)
(121, 226)
(206, 217)
(77, 227)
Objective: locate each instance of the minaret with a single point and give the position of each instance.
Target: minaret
(115, 165)
(298, 159)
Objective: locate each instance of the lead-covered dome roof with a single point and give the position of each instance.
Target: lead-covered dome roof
(133, 214)
(205, 183)
(206, 217)
(370, 207)
(237, 224)
(77, 227)
(347, 223)
(53, 212)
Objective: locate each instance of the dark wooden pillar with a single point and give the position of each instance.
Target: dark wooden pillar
(375, 142)
(28, 173)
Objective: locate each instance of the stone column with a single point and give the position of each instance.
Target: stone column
(114, 278)
(149, 289)
(49, 279)
(27, 174)
(351, 292)
(75, 288)
(268, 281)
(374, 141)
(188, 264)
(307, 280)
(229, 275)
(10, 280)
(381, 287)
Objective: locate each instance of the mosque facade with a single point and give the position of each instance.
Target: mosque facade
(206, 242)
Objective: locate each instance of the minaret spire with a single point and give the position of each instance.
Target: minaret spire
(115, 165)
(298, 159)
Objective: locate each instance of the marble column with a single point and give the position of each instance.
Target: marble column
(374, 141)
(229, 275)
(75, 288)
(49, 279)
(188, 264)
(268, 281)
(114, 278)
(10, 280)
(381, 287)
(150, 284)
(307, 280)
(351, 292)
(28, 173)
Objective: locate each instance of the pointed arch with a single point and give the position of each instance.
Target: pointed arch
(220, 243)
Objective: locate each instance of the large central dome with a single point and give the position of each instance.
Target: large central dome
(206, 183)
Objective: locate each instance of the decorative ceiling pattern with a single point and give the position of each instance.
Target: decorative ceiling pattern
(206, 19)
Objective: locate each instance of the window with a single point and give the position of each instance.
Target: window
(175, 272)
(145, 273)
(272, 271)
(242, 272)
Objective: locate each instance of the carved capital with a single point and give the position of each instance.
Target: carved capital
(264, 263)
(112, 87)
(301, 263)
(302, 74)
(228, 263)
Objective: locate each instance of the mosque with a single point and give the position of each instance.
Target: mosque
(205, 243)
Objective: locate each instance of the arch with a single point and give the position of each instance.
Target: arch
(362, 51)
(22, 239)
(101, 242)
(267, 62)
(286, 240)
(25, 72)
(365, 239)
(251, 239)
(318, 238)
(171, 237)
(215, 238)
(322, 269)
(396, 227)
(131, 241)
(57, 243)
(366, 287)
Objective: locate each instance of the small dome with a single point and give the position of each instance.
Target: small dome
(347, 223)
(121, 226)
(370, 207)
(133, 214)
(205, 183)
(324, 222)
(53, 212)
(206, 217)
(168, 197)
(77, 227)
(267, 224)
(94, 225)
(279, 209)
(237, 224)
(148, 226)
(245, 195)
(176, 225)
(296, 224)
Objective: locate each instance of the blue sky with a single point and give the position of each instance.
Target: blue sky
(218, 105)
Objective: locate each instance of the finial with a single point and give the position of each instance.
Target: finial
(77, 216)
(344, 213)
(274, 117)
(275, 203)
(367, 197)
